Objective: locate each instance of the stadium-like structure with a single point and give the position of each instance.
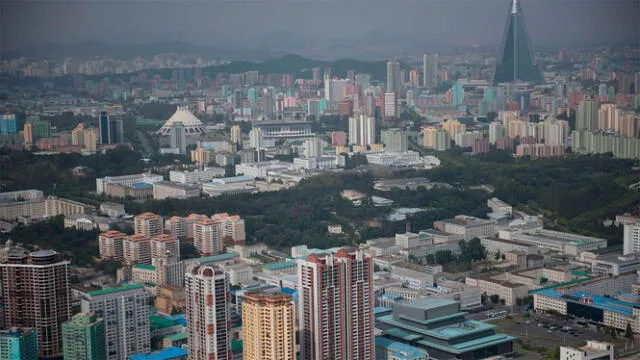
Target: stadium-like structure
(192, 125)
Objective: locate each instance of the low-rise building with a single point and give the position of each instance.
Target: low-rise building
(616, 264)
(505, 290)
(125, 180)
(240, 273)
(594, 350)
(260, 169)
(498, 206)
(165, 190)
(468, 226)
(136, 191)
(564, 243)
(89, 222)
(195, 176)
(230, 186)
(112, 209)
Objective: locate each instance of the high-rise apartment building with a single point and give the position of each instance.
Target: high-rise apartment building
(452, 127)
(110, 244)
(125, 311)
(208, 237)
(390, 106)
(148, 224)
(336, 306)
(83, 338)
(233, 229)
(136, 249)
(36, 294)
(163, 244)
(393, 76)
(394, 140)
(27, 133)
(178, 137)
(269, 326)
(18, 344)
(430, 70)
(609, 117)
(362, 130)
(208, 320)
(587, 115)
(202, 156)
(255, 139)
(236, 135)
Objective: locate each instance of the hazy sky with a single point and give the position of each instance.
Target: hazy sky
(459, 22)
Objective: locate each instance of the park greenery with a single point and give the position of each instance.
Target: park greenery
(574, 194)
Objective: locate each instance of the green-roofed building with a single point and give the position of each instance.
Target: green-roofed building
(83, 338)
(438, 327)
(125, 311)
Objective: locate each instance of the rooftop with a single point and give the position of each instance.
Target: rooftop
(280, 265)
(401, 350)
(216, 258)
(600, 302)
(164, 354)
(115, 290)
(145, 267)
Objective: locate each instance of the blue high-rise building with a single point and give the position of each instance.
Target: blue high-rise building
(515, 62)
(18, 344)
(10, 124)
(458, 93)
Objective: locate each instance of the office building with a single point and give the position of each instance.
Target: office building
(27, 133)
(178, 137)
(9, 124)
(336, 306)
(125, 312)
(430, 70)
(18, 344)
(440, 328)
(170, 190)
(393, 76)
(83, 338)
(207, 311)
(594, 350)
(110, 128)
(126, 180)
(269, 326)
(362, 130)
(313, 148)
(468, 227)
(516, 62)
(38, 281)
(195, 176)
(208, 237)
(148, 224)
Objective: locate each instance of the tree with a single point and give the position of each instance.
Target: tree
(444, 257)
(552, 354)
(497, 255)
(628, 333)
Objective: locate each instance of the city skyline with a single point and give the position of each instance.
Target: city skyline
(478, 23)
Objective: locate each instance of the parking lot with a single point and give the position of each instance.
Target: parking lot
(540, 332)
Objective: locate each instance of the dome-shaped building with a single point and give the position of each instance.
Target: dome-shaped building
(192, 125)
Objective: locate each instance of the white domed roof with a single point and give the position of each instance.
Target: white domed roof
(183, 116)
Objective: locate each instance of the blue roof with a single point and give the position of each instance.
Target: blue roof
(280, 265)
(400, 350)
(380, 310)
(596, 301)
(164, 354)
(139, 185)
(288, 291)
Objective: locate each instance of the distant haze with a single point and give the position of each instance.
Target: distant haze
(314, 24)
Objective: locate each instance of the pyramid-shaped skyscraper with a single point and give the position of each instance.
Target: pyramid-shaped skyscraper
(515, 62)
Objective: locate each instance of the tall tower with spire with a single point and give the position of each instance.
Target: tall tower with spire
(515, 61)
